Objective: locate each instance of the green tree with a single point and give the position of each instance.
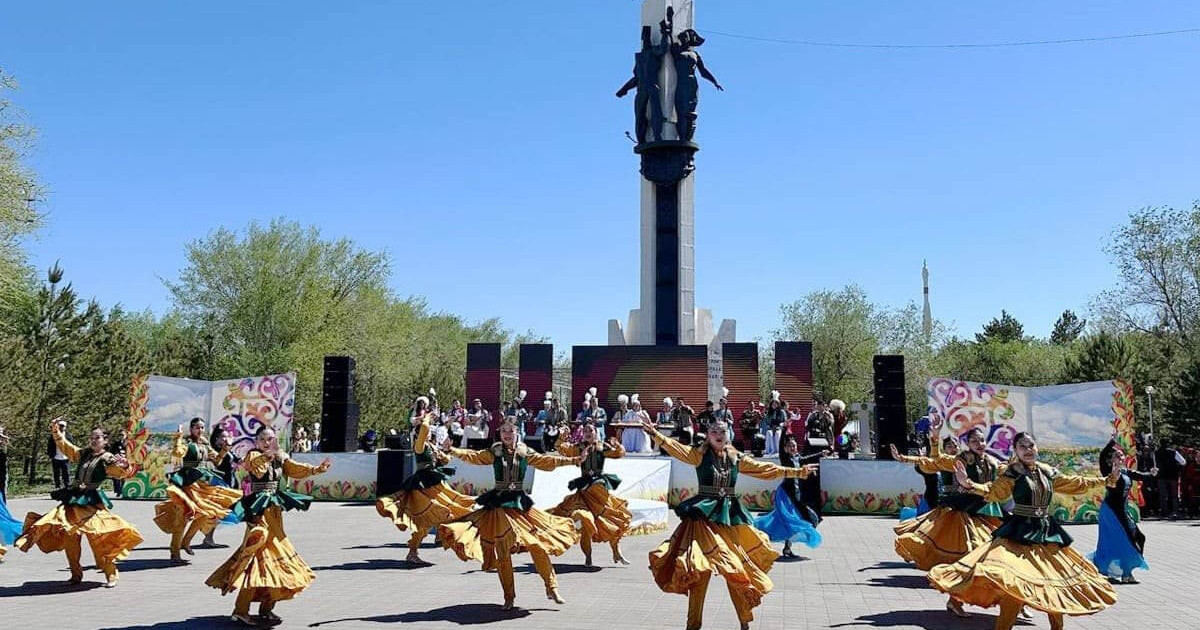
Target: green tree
(1005, 328)
(847, 330)
(1182, 409)
(843, 327)
(1103, 357)
(19, 194)
(1068, 328)
(43, 348)
(1157, 256)
(1023, 363)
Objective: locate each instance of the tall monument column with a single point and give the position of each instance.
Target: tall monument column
(665, 76)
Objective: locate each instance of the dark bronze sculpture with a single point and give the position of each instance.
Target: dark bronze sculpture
(687, 89)
(646, 67)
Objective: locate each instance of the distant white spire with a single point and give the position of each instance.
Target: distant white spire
(926, 316)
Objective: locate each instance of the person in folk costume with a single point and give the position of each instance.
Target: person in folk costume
(506, 521)
(196, 496)
(603, 517)
(962, 521)
(10, 527)
(934, 479)
(594, 413)
(1121, 545)
(225, 466)
(266, 567)
(84, 510)
(716, 532)
(424, 499)
(776, 418)
(790, 520)
(634, 440)
(1029, 560)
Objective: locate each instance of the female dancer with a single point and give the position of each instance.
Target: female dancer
(84, 510)
(603, 517)
(791, 520)
(962, 521)
(934, 481)
(506, 522)
(195, 493)
(1121, 545)
(266, 566)
(715, 532)
(224, 467)
(1029, 561)
(424, 500)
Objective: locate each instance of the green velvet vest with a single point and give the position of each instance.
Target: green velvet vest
(1031, 522)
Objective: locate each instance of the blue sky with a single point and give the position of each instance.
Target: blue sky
(480, 144)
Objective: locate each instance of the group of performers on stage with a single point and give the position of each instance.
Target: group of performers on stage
(972, 548)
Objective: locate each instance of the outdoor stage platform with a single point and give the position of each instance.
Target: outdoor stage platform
(649, 482)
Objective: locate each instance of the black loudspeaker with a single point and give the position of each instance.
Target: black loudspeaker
(391, 469)
(339, 410)
(891, 422)
(400, 442)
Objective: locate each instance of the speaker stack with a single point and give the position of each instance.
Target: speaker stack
(339, 409)
(891, 423)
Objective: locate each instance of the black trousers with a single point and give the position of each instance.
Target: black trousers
(1168, 497)
(810, 488)
(62, 472)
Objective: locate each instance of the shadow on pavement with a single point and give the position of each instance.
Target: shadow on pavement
(374, 565)
(56, 587)
(901, 581)
(880, 566)
(142, 564)
(461, 614)
(927, 619)
(215, 621)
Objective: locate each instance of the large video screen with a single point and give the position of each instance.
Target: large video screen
(652, 372)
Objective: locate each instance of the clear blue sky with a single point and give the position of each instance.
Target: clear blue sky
(480, 144)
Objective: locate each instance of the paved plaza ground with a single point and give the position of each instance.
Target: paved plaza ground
(854, 580)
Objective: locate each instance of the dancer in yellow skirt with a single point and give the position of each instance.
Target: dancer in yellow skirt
(1029, 560)
(424, 500)
(716, 532)
(507, 523)
(963, 521)
(603, 517)
(266, 566)
(84, 510)
(196, 497)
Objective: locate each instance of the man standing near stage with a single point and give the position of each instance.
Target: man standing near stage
(818, 434)
(681, 421)
(706, 417)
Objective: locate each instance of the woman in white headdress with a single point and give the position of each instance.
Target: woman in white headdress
(634, 440)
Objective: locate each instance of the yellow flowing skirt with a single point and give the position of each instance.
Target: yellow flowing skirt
(499, 530)
(1047, 577)
(610, 513)
(197, 500)
(110, 536)
(740, 553)
(423, 509)
(942, 535)
(265, 564)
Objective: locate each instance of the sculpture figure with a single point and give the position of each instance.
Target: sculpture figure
(687, 89)
(646, 67)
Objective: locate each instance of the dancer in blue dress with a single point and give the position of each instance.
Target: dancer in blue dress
(791, 520)
(1121, 545)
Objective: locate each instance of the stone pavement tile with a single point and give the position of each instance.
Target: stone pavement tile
(852, 581)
